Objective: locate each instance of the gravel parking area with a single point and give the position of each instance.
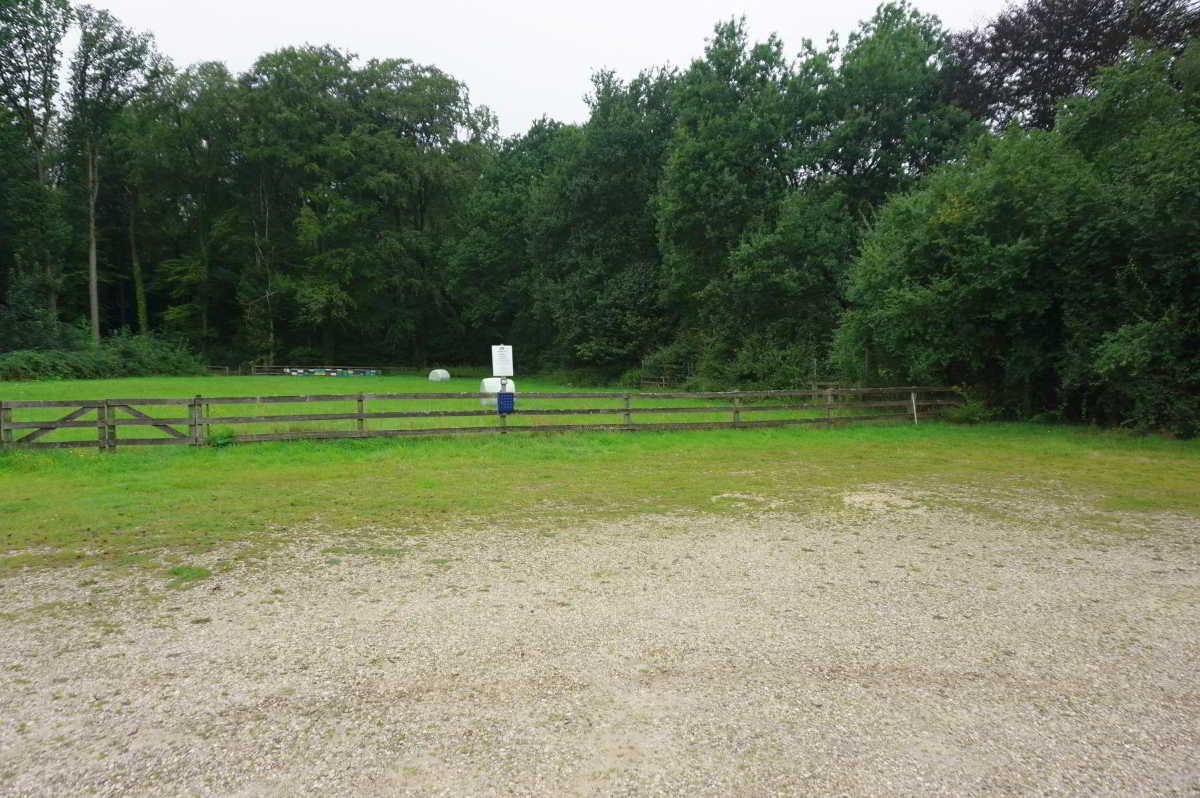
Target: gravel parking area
(888, 647)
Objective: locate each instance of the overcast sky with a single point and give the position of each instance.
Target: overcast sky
(522, 58)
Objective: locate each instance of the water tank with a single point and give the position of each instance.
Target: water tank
(492, 385)
(439, 375)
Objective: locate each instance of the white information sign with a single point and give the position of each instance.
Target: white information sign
(502, 361)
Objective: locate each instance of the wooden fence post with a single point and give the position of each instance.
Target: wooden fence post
(110, 421)
(737, 410)
(6, 434)
(360, 424)
(194, 420)
(829, 407)
(913, 396)
(627, 416)
(101, 426)
(102, 413)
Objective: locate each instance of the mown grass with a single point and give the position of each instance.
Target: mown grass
(163, 506)
(243, 386)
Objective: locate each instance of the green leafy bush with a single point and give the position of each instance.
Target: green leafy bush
(971, 411)
(220, 437)
(1052, 272)
(121, 355)
(631, 378)
(24, 326)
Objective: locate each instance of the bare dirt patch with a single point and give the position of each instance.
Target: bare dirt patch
(879, 500)
(886, 648)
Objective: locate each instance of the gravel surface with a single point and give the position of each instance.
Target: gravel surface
(889, 647)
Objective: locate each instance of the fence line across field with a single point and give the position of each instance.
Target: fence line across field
(193, 423)
(276, 370)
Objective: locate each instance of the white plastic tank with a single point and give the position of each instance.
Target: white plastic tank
(492, 385)
(439, 375)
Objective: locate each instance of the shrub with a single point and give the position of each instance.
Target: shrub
(121, 355)
(971, 411)
(25, 327)
(631, 378)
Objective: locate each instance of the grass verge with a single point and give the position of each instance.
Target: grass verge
(162, 506)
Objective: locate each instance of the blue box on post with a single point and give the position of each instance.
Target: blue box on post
(505, 402)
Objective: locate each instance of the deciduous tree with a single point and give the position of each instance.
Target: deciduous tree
(1018, 68)
(111, 65)
(31, 34)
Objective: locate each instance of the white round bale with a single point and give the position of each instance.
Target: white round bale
(439, 375)
(492, 385)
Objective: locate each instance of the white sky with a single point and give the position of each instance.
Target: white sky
(522, 58)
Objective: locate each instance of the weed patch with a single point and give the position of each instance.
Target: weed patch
(185, 574)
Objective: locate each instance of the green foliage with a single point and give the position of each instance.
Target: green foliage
(490, 271)
(1052, 271)
(963, 281)
(773, 172)
(972, 411)
(592, 238)
(560, 254)
(31, 35)
(718, 222)
(770, 318)
(112, 65)
(188, 573)
(889, 120)
(33, 232)
(1151, 373)
(630, 378)
(120, 355)
(195, 144)
(727, 167)
(348, 220)
(25, 323)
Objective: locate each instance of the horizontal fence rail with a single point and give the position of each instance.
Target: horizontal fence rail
(191, 421)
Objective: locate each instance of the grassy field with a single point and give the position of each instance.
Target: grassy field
(184, 387)
(160, 506)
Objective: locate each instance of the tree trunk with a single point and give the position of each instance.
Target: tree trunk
(266, 203)
(51, 289)
(139, 284)
(262, 263)
(49, 272)
(203, 296)
(93, 277)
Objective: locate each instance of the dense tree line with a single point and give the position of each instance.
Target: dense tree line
(1056, 272)
(303, 209)
(1012, 208)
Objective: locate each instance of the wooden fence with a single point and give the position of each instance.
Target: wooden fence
(190, 421)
